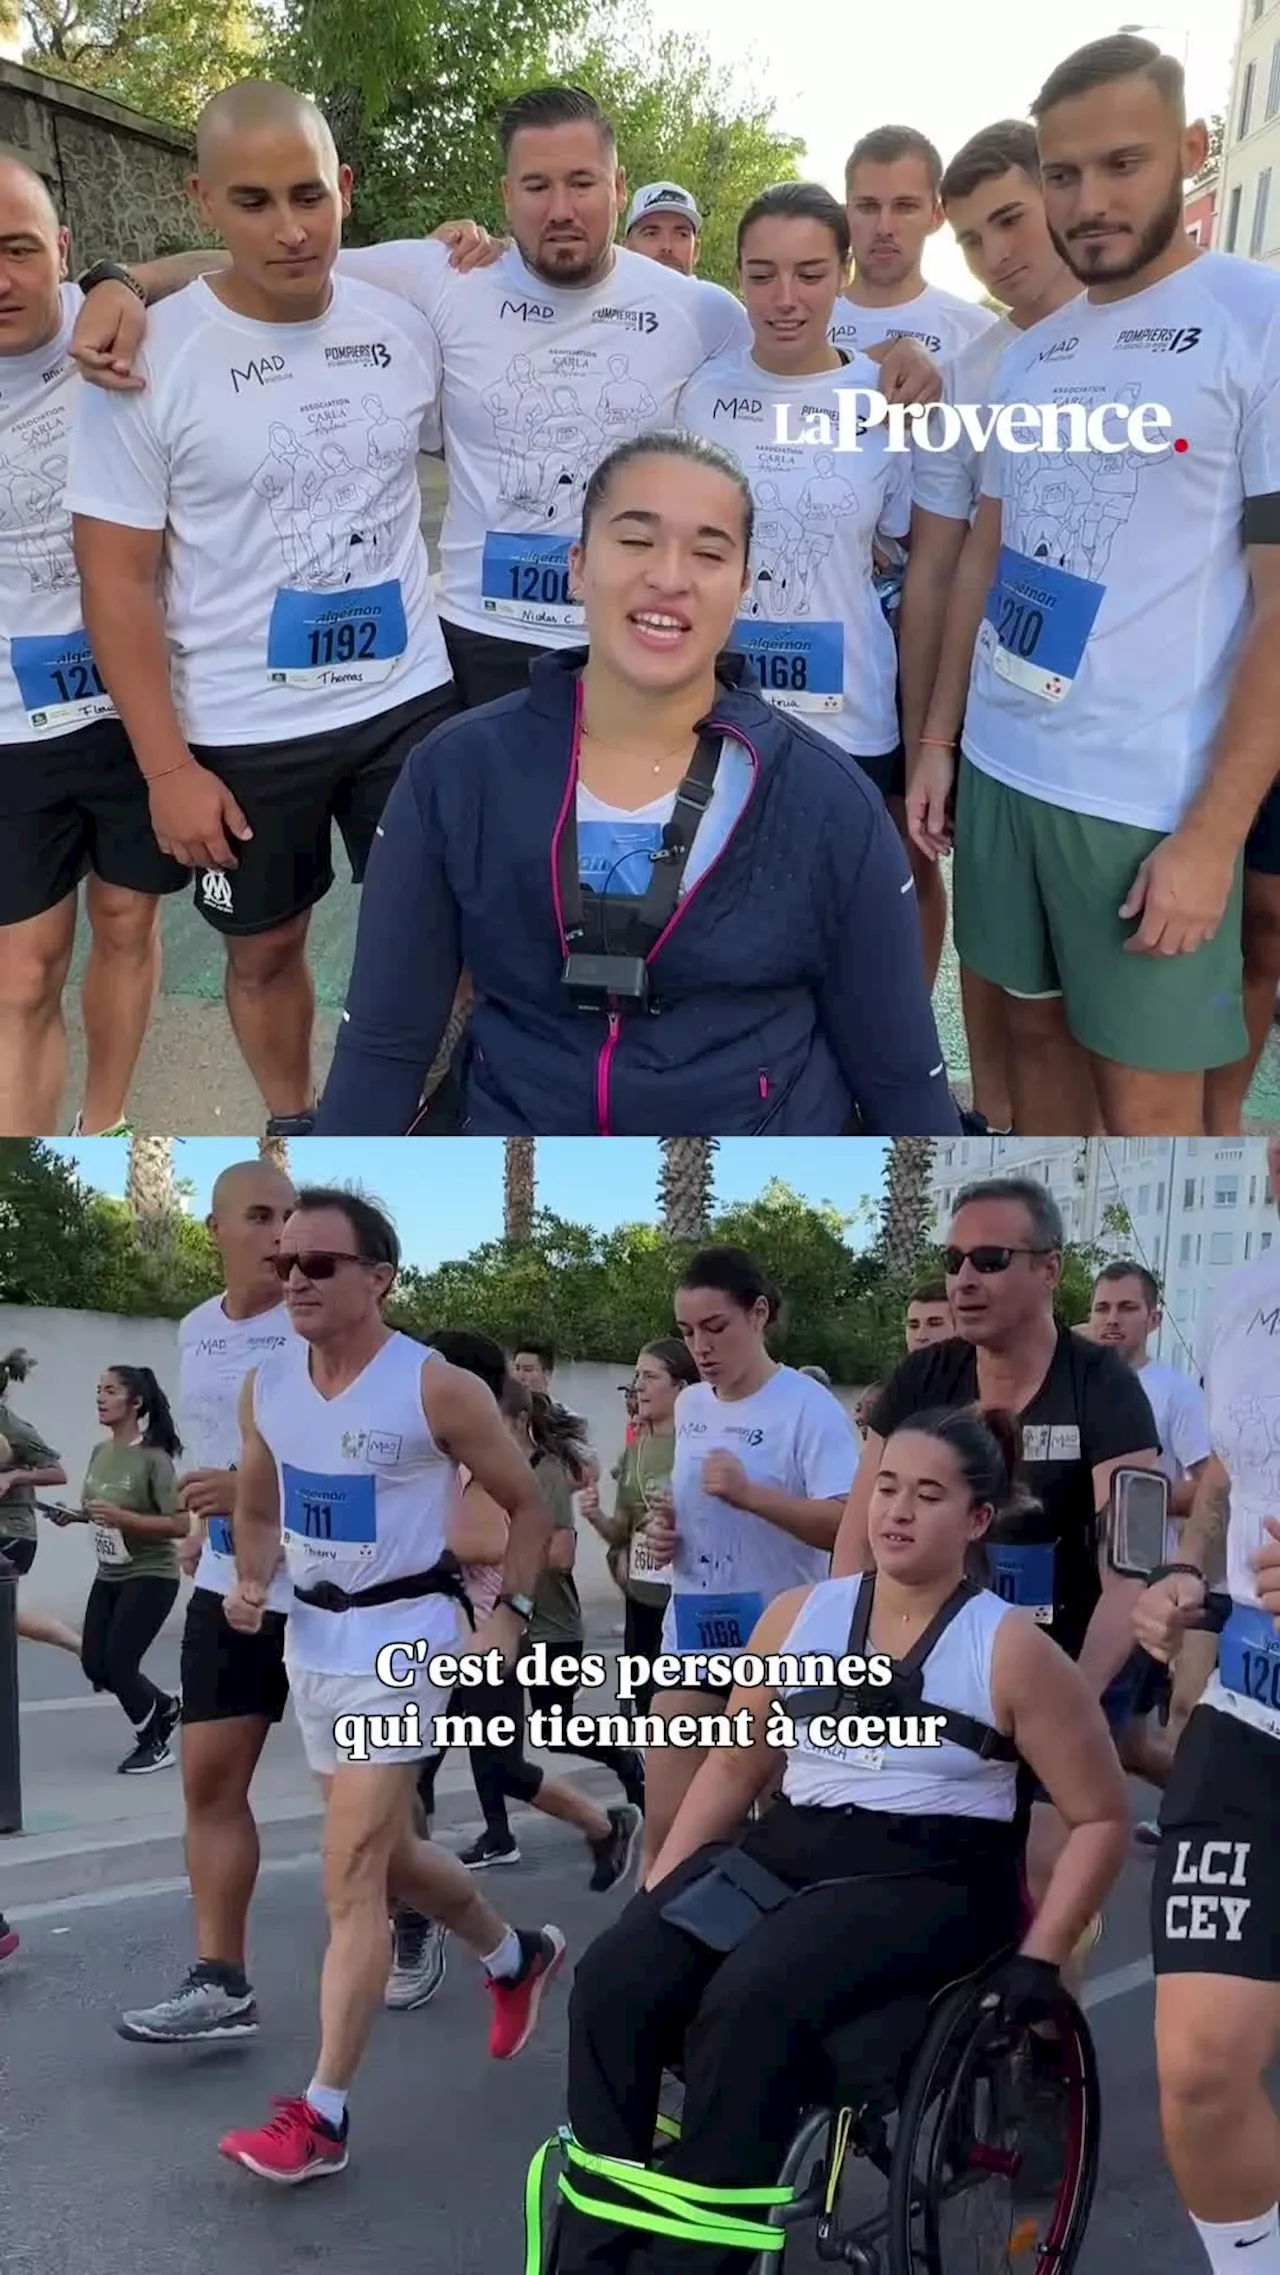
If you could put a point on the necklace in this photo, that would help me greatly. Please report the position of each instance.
(620, 750)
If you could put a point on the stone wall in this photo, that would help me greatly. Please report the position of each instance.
(118, 179)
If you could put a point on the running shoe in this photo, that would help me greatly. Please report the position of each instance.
(615, 1854)
(296, 2144)
(8, 1938)
(489, 1849)
(518, 1998)
(151, 1752)
(170, 1715)
(117, 1129)
(1147, 1834)
(417, 1969)
(202, 2007)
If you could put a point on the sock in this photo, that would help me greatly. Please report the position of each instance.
(329, 2102)
(232, 1979)
(506, 1962)
(1224, 2241)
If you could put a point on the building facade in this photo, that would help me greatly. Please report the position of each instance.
(1196, 1208)
(1249, 189)
(1200, 213)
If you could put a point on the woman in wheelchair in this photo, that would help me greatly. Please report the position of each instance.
(882, 1869)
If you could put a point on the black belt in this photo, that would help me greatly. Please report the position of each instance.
(444, 1579)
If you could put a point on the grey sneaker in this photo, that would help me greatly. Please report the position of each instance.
(615, 1854)
(417, 1969)
(202, 2008)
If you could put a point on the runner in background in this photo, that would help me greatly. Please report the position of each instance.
(28, 1464)
(234, 1686)
(929, 1316)
(131, 1500)
(664, 223)
(663, 1369)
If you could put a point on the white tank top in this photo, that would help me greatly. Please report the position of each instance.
(908, 1781)
(1242, 1385)
(214, 1356)
(366, 1496)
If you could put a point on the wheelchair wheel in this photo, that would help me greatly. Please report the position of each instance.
(995, 2158)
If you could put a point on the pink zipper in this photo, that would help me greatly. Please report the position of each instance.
(604, 1070)
(764, 1084)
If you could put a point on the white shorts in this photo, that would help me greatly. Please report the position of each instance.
(320, 1700)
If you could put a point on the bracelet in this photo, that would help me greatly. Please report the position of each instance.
(166, 771)
(936, 742)
(1166, 1572)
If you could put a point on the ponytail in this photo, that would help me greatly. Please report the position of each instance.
(159, 1432)
(15, 1366)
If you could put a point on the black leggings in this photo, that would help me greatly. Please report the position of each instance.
(642, 1636)
(502, 1773)
(750, 2025)
(121, 1622)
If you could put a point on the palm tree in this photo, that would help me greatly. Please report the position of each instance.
(686, 1186)
(904, 1220)
(276, 1151)
(150, 1189)
(519, 1186)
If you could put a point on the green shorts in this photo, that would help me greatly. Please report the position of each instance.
(1037, 893)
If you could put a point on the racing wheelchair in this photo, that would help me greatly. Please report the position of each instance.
(940, 2141)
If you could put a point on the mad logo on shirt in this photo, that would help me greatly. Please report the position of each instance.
(1042, 1443)
(381, 1446)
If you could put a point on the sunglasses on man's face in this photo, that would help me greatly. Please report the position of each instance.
(314, 1263)
(987, 1260)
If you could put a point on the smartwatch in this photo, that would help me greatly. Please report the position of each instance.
(111, 272)
(522, 1606)
(1166, 1572)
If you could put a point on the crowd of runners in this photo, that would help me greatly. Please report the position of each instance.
(652, 772)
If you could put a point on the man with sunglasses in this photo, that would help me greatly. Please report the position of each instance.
(352, 1438)
(1082, 1413)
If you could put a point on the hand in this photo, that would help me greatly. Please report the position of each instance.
(931, 777)
(208, 1492)
(109, 333)
(8, 1477)
(1164, 1612)
(1266, 1565)
(106, 1513)
(590, 1500)
(190, 1551)
(1025, 1990)
(660, 1532)
(244, 1606)
(195, 818)
(1180, 892)
(470, 245)
(724, 1475)
(908, 373)
(504, 1632)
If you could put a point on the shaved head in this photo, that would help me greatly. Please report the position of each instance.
(259, 106)
(24, 191)
(33, 259)
(248, 1181)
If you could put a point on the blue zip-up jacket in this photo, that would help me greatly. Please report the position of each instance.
(790, 980)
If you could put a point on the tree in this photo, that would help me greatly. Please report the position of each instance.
(685, 1186)
(150, 1189)
(905, 1221)
(1213, 163)
(519, 1188)
(61, 1244)
(276, 1151)
(165, 57)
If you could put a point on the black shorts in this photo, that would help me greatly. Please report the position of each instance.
(292, 794)
(70, 806)
(889, 772)
(225, 1674)
(1262, 847)
(485, 668)
(1215, 1894)
(20, 1554)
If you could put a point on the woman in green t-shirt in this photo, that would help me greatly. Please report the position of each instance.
(130, 1498)
(663, 1370)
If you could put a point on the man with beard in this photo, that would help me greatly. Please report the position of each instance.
(1119, 738)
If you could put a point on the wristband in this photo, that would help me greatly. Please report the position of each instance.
(111, 272)
(1166, 1572)
(936, 742)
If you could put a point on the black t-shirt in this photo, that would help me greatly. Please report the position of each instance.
(1090, 1408)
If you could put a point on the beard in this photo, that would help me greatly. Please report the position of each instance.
(1081, 254)
(565, 264)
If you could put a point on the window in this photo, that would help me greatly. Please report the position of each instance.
(1198, 1247)
(1184, 1249)
(1193, 232)
(1189, 1193)
(1273, 83)
(1220, 1247)
(1246, 103)
(1160, 1200)
(1226, 1192)
(1233, 218)
(1253, 1190)
(1248, 1246)
(1264, 1243)
(1182, 1304)
(1144, 1200)
(1258, 233)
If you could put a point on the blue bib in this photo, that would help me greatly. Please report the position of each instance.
(1024, 1576)
(801, 666)
(1249, 1658)
(617, 857)
(336, 639)
(58, 680)
(525, 579)
(220, 1537)
(716, 1623)
(1038, 622)
(341, 1510)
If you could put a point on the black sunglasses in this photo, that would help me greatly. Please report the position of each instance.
(314, 1263)
(986, 1260)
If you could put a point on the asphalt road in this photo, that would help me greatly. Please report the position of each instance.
(108, 2152)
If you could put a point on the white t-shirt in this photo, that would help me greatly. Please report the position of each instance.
(214, 1356)
(616, 847)
(539, 384)
(282, 459)
(812, 621)
(949, 482)
(792, 1436)
(1102, 671)
(48, 685)
(941, 321)
(1242, 1382)
(1182, 1418)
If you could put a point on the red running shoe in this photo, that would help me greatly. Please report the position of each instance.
(9, 1938)
(296, 2144)
(517, 1999)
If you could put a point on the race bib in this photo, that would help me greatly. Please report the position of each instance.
(716, 1623)
(867, 1758)
(525, 580)
(800, 666)
(618, 857)
(644, 1564)
(108, 1545)
(1024, 1576)
(1249, 1662)
(59, 681)
(336, 639)
(1037, 624)
(220, 1536)
(329, 1520)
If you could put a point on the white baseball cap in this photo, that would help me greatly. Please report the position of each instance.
(662, 197)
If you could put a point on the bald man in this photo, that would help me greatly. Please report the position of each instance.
(234, 1687)
(72, 804)
(268, 466)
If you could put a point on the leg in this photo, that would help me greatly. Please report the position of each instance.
(502, 1771)
(35, 958)
(218, 1763)
(271, 1003)
(119, 989)
(99, 1612)
(986, 1025)
(642, 1639)
(1007, 959)
(1137, 1102)
(624, 1764)
(1228, 1086)
(1050, 1079)
(669, 1771)
(1216, 2039)
(143, 1605)
(37, 1627)
(366, 1819)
